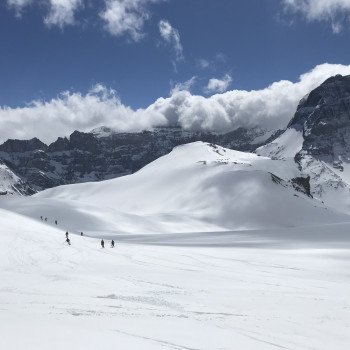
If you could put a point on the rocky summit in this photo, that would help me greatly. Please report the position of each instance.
(318, 138)
(324, 117)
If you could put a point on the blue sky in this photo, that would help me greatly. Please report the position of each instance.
(130, 53)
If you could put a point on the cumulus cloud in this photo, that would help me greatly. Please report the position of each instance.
(126, 17)
(270, 108)
(218, 85)
(62, 12)
(335, 11)
(172, 37)
(120, 17)
(184, 86)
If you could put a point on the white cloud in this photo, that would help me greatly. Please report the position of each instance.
(123, 17)
(335, 11)
(272, 107)
(172, 37)
(18, 5)
(120, 17)
(62, 12)
(72, 111)
(218, 85)
(184, 86)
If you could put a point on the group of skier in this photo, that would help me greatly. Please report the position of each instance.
(41, 217)
(103, 243)
(81, 234)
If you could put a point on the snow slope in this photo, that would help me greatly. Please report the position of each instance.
(268, 289)
(197, 187)
(329, 183)
(285, 146)
(9, 182)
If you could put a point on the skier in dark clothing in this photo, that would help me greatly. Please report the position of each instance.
(112, 244)
(67, 234)
(81, 233)
(41, 217)
(56, 222)
(102, 243)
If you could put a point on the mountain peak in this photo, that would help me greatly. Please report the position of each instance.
(23, 145)
(327, 97)
(318, 138)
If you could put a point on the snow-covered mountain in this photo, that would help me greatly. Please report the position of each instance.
(105, 154)
(197, 187)
(316, 143)
(318, 139)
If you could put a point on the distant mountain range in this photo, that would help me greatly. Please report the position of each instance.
(102, 154)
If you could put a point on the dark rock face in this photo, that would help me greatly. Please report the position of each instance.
(323, 156)
(324, 116)
(23, 145)
(103, 154)
(302, 184)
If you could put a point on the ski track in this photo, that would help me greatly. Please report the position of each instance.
(183, 298)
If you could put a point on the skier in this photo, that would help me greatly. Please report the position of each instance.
(41, 217)
(45, 219)
(56, 222)
(112, 244)
(102, 244)
(81, 233)
(68, 240)
(67, 234)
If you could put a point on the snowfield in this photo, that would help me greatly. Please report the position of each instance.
(212, 253)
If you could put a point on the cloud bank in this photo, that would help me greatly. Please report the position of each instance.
(336, 12)
(271, 108)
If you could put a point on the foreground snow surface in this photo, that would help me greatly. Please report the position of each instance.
(269, 289)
